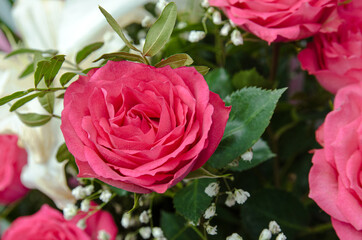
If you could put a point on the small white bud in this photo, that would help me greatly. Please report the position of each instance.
(131, 236)
(205, 3)
(157, 232)
(126, 220)
(105, 196)
(281, 236)
(210, 211)
(274, 227)
(210, 10)
(212, 189)
(81, 224)
(79, 192)
(236, 38)
(70, 211)
(89, 190)
(145, 232)
(216, 18)
(232, 23)
(225, 29)
(181, 25)
(234, 163)
(234, 236)
(103, 235)
(230, 200)
(247, 156)
(211, 230)
(147, 21)
(144, 218)
(85, 205)
(265, 234)
(241, 196)
(195, 36)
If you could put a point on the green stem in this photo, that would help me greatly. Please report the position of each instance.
(180, 232)
(317, 229)
(198, 232)
(274, 64)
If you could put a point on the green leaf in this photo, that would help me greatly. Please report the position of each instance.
(247, 78)
(28, 50)
(161, 30)
(41, 68)
(175, 61)
(252, 109)
(87, 50)
(34, 119)
(28, 70)
(192, 201)
(24, 100)
(261, 153)
(175, 227)
(63, 153)
(219, 82)
(120, 56)
(203, 70)
(269, 204)
(120, 192)
(13, 96)
(61, 96)
(53, 68)
(66, 77)
(47, 102)
(117, 28)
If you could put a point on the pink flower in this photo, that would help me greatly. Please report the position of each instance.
(142, 128)
(336, 58)
(4, 43)
(49, 223)
(13, 158)
(335, 178)
(281, 20)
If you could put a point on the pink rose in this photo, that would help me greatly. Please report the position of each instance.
(13, 158)
(49, 223)
(280, 20)
(142, 128)
(336, 58)
(335, 178)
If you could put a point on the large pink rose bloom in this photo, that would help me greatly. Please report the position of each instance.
(49, 223)
(13, 158)
(142, 128)
(336, 58)
(336, 176)
(281, 20)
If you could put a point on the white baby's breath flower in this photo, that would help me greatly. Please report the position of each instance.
(230, 199)
(265, 235)
(234, 236)
(157, 232)
(212, 189)
(85, 205)
(281, 236)
(89, 190)
(105, 196)
(216, 18)
(147, 21)
(205, 3)
(103, 235)
(195, 36)
(236, 38)
(241, 196)
(126, 220)
(247, 156)
(145, 232)
(274, 227)
(144, 218)
(79, 192)
(70, 211)
(160, 5)
(225, 29)
(81, 224)
(210, 211)
(211, 230)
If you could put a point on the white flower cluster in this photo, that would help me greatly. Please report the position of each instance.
(105, 196)
(195, 36)
(234, 236)
(212, 189)
(238, 196)
(81, 192)
(103, 235)
(210, 211)
(274, 228)
(70, 211)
